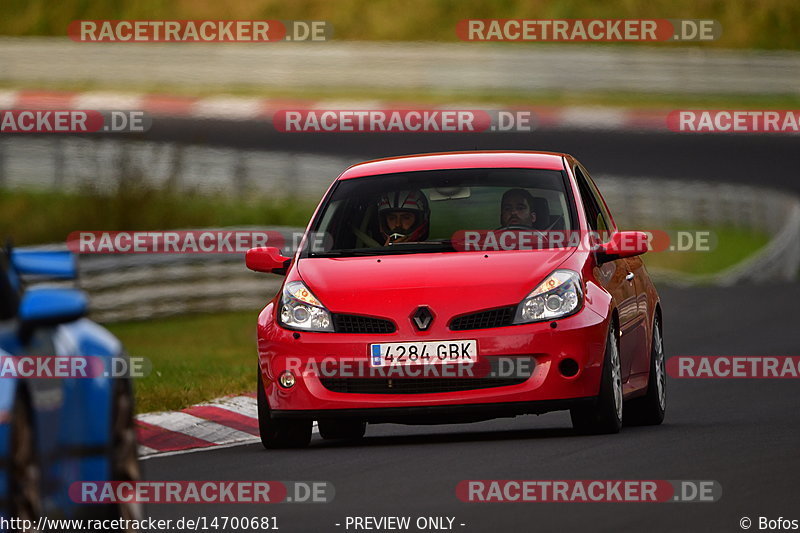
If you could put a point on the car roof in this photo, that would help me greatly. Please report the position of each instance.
(455, 160)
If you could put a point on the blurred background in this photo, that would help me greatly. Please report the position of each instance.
(213, 159)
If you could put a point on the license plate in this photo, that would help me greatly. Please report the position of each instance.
(423, 353)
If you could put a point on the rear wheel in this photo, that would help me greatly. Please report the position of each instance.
(605, 415)
(26, 472)
(280, 433)
(649, 409)
(342, 429)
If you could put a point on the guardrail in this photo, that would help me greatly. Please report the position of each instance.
(78, 164)
(450, 67)
(137, 286)
(653, 204)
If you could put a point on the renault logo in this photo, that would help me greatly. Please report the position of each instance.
(422, 318)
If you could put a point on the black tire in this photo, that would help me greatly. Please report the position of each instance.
(649, 409)
(280, 433)
(342, 429)
(25, 481)
(604, 416)
(124, 460)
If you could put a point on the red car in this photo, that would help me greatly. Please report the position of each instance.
(459, 287)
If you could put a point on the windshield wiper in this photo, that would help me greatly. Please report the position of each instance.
(395, 248)
(421, 243)
(348, 252)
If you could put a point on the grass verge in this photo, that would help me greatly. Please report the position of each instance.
(194, 358)
(507, 97)
(731, 246)
(36, 217)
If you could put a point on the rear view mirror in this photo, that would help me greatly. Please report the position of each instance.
(268, 259)
(449, 193)
(623, 244)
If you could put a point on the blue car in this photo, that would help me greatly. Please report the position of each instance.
(56, 431)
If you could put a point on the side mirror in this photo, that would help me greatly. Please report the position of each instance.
(267, 259)
(50, 306)
(623, 244)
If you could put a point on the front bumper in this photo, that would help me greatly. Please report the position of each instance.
(580, 337)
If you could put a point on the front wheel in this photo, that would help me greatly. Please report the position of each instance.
(649, 409)
(25, 469)
(279, 433)
(605, 415)
(125, 455)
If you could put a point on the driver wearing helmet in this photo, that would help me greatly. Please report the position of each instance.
(404, 216)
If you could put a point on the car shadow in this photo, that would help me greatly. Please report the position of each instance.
(448, 438)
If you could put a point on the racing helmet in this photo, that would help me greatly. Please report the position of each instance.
(413, 201)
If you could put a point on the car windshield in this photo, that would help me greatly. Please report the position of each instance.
(444, 211)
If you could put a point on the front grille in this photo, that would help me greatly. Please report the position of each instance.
(491, 318)
(414, 385)
(361, 324)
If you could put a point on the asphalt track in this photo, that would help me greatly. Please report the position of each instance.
(742, 433)
(762, 160)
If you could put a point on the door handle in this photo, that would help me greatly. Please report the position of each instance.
(629, 277)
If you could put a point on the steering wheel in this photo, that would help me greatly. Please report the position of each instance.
(515, 226)
(539, 234)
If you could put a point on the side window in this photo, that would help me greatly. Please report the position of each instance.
(599, 199)
(594, 213)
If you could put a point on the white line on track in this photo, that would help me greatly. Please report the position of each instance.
(145, 450)
(251, 440)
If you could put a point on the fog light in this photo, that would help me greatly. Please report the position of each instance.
(286, 380)
(568, 367)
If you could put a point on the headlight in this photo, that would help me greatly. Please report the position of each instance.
(300, 309)
(557, 296)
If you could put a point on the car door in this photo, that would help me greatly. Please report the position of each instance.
(615, 276)
(637, 336)
(640, 365)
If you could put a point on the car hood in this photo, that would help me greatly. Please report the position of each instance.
(451, 283)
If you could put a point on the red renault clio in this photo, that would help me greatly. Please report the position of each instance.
(459, 287)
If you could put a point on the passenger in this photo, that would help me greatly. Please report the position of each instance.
(516, 209)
